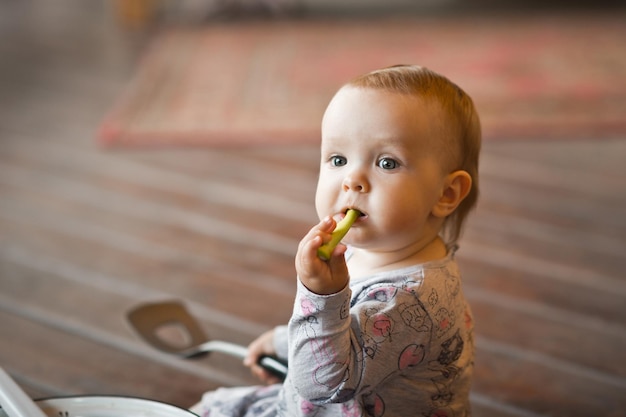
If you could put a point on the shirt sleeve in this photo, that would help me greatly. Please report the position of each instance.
(338, 351)
(281, 342)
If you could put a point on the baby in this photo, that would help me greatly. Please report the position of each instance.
(382, 328)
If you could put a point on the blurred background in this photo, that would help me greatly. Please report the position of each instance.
(98, 216)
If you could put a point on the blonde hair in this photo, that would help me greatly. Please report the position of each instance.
(461, 138)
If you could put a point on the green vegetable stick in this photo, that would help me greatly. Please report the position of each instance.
(340, 231)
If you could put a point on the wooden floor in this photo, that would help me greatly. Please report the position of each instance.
(87, 233)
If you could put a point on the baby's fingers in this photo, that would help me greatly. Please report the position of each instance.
(341, 229)
(306, 258)
(318, 235)
(264, 375)
(325, 226)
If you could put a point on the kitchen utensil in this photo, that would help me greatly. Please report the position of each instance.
(105, 406)
(14, 401)
(150, 319)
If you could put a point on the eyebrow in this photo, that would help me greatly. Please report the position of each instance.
(395, 143)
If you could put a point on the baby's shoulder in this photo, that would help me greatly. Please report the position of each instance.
(422, 282)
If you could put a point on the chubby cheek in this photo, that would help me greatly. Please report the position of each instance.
(325, 197)
(321, 207)
(401, 219)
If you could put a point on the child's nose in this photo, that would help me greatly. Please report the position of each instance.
(355, 182)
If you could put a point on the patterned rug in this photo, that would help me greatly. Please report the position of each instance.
(252, 83)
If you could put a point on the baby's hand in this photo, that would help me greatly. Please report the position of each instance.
(319, 276)
(261, 346)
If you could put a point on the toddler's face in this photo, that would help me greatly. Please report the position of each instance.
(377, 156)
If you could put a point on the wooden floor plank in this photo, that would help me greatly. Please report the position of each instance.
(531, 385)
(224, 187)
(213, 288)
(544, 330)
(544, 239)
(70, 363)
(149, 238)
(540, 285)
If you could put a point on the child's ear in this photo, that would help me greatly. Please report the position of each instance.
(456, 187)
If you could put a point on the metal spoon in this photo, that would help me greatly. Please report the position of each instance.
(147, 319)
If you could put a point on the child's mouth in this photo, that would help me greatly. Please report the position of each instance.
(361, 214)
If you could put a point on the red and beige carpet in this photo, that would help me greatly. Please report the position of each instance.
(249, 83)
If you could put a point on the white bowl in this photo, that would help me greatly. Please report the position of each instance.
(107, 406)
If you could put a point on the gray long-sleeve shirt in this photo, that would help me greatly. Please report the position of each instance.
(397, 343)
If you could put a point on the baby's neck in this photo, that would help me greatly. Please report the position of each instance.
(363, 262)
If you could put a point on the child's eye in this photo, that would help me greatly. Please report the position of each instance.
(338, 161)
(387, 163)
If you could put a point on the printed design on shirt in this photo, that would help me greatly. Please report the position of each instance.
(374, 405)
(385, 292)
(416, 317)
(452, 284)
(323, 352)
(351, 409)
(445, 321)
(309, 409)
(241, 401)
(381, 322)
(378, 327)
(441, 412)
(451, 350)
(344, 311)
(382, 294)
(308, 307)
(390, 313)
(322, 376)
(412, 355)
(433, 298)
